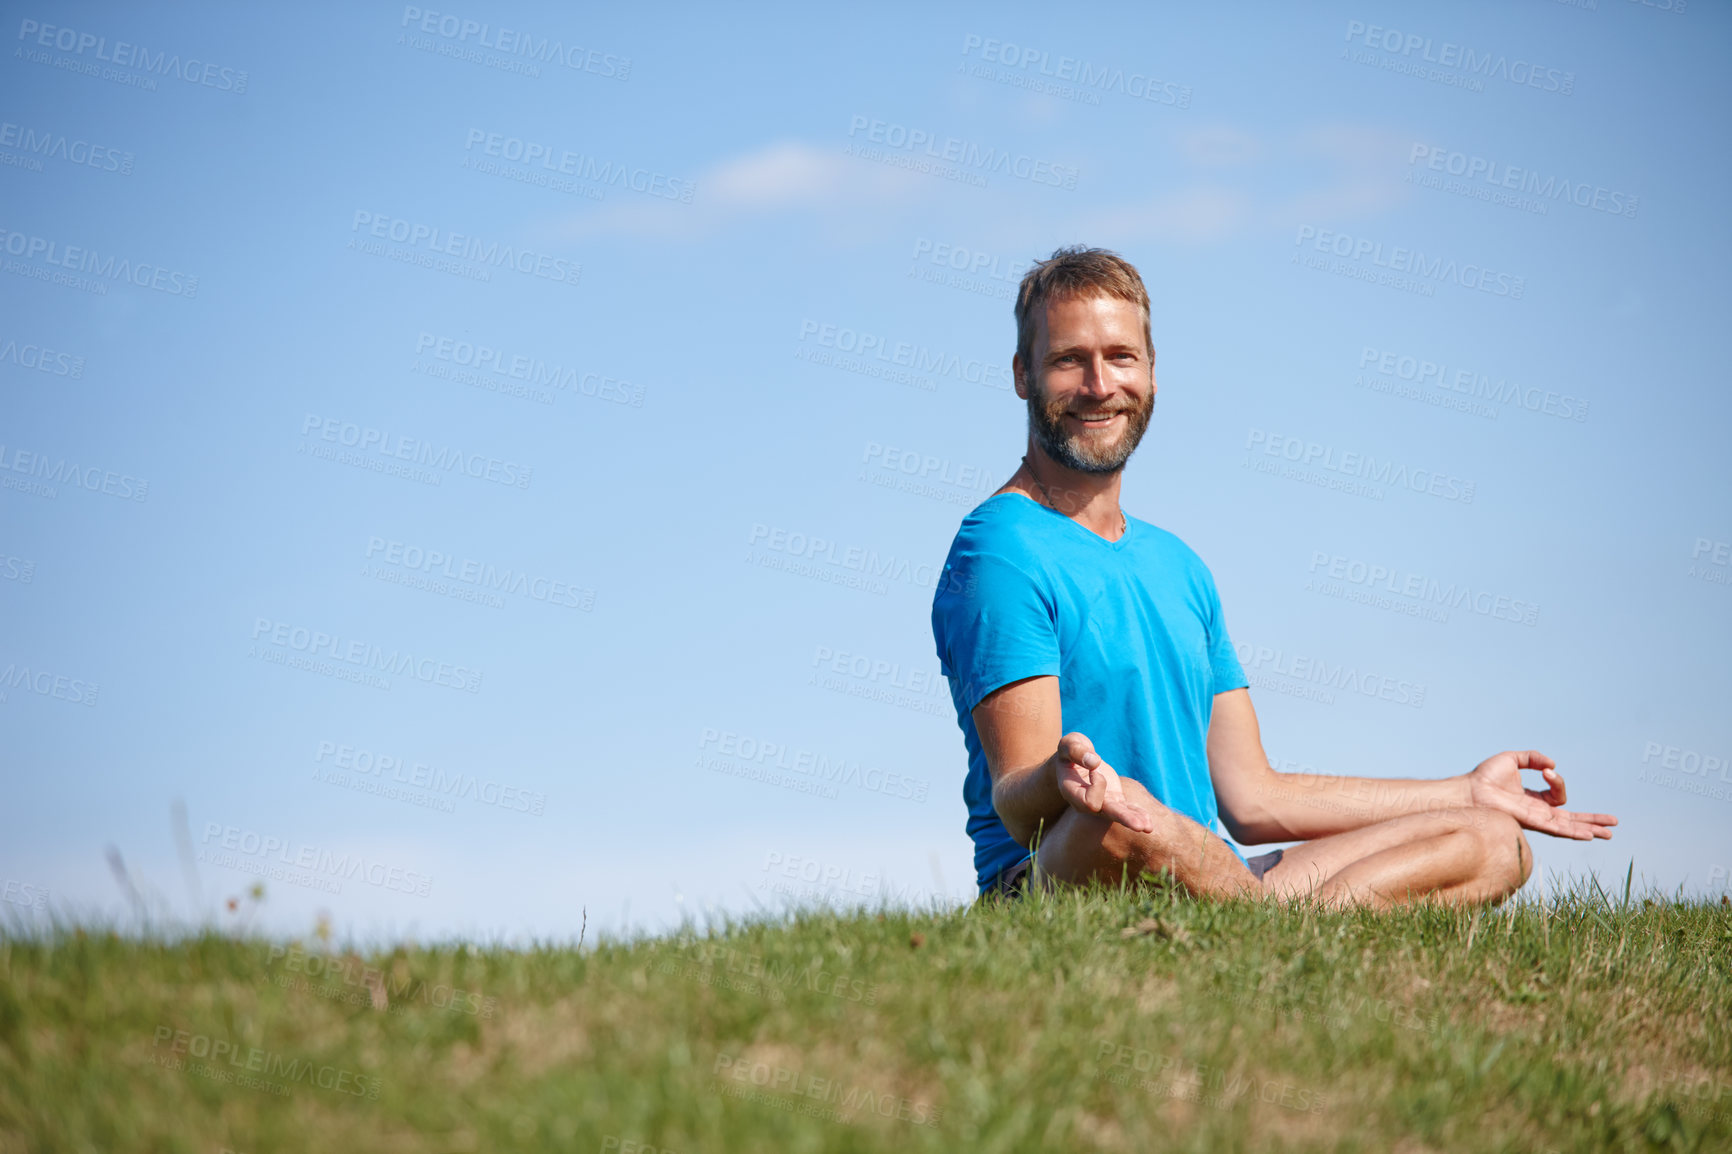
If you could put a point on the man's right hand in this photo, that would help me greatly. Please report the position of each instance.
(1092, 786)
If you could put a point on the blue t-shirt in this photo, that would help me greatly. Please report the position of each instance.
(1132, 629)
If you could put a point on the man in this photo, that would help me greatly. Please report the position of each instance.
(1106, 717)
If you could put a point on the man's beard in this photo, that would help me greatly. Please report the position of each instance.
(1045, 421)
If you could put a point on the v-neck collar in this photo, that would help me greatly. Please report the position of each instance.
(1116, 546)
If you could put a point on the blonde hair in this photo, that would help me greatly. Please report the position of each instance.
(1076, 271)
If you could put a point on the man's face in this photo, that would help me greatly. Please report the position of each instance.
(1091, 385)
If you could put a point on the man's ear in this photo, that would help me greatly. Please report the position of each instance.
(1021, 385)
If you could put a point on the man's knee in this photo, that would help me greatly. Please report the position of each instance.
(1081, 845)
(1503, 845)
(1122, 843)
(1122, 846)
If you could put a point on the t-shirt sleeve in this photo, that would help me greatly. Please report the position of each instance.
(994, 625)
(1223, 660)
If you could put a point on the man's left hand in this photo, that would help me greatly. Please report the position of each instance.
(1496, 783)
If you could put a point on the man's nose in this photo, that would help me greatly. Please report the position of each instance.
(1095, 379)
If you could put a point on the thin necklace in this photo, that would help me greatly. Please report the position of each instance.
(1124, 521)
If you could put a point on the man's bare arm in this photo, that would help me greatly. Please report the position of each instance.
(1037, 773)
(1039, 776)
(1259, 805)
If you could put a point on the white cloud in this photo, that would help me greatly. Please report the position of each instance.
(774, 177)
(1233, 182)
(777, 178)
(1229, 182)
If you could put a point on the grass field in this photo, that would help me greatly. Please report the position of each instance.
(1086, 1021)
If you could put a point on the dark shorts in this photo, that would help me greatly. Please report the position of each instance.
(1013, 881)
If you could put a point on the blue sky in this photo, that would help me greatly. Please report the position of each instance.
(572, 407)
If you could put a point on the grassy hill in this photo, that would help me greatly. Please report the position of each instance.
(1082, 1022)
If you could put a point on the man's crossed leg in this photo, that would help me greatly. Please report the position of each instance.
(1467, 855)
(1457, 840)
